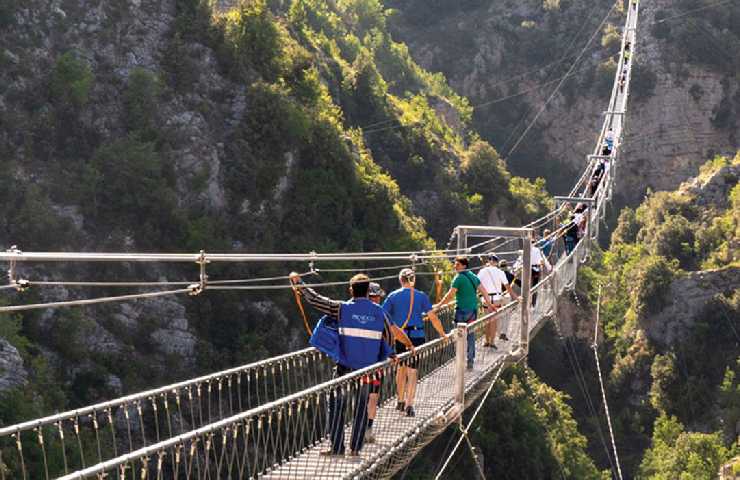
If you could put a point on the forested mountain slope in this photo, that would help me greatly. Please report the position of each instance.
(669, 349)
(508, 56)
(164, 125)
(671, 319)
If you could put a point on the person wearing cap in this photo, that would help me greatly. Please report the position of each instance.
(407, 308)
(364, 335)
(376, 295)
(494, 280)
(465, 288)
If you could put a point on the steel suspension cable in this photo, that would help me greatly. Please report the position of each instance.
(70, 303)
(595, 347)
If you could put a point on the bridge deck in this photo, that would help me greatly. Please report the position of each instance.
(434, 393)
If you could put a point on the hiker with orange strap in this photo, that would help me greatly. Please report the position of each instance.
(407, 308)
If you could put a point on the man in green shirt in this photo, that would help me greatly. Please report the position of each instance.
(465, 287)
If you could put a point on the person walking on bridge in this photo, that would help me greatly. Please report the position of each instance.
(494, 281)
(407, 308)
(465, 288)
(376, 295)
(364, 335)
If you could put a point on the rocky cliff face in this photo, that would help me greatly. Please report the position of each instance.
(12, 372)
(689, 295)
(674, 121)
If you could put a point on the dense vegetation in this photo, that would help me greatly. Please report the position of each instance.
(98, 161)
(677, 381)
(525, 430)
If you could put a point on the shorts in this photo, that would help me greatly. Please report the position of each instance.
(401, 348)
(374, 381)
(497, 299)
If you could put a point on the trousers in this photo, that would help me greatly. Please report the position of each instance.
(337, 408)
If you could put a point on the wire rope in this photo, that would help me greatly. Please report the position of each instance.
(91, 301)
(689, 12)
(595, 347)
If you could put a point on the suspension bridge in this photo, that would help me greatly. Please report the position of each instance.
(269, 419)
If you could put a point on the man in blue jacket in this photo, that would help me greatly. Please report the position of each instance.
(364, 335)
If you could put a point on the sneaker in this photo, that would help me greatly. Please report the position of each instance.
(354, 456)
(410, 411)
(369, 436)
(493, 347)
(503, 337)
(401, 406)
(330, 453)
(470, 365)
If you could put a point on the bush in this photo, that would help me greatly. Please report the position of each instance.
(652, 282)
(71, 80)
(674, 238)
(605, 73)
(181, 70)
(611, 40)
(643, 82)
(126, 184)
(676, 454)
(256, 39)
(7, 12)
(140, 100)
(627, 227)
(484, 172)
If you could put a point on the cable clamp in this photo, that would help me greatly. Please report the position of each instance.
(12, 265)
(312, 263)
(22, 285)
(198, 288)
(414, 258)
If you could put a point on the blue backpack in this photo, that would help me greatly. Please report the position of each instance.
(325, 337)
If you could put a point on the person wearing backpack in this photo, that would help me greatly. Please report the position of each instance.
(406, 308)
(465, 289)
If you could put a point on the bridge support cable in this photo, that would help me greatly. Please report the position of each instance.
(595, 347)
(465, 429)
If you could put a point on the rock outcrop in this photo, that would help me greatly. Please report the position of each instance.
(689, 294)
(12, 372)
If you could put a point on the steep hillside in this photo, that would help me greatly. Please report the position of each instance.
(671, 318)
(162, 125)
(507, 57)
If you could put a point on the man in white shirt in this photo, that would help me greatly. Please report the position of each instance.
(494, 280)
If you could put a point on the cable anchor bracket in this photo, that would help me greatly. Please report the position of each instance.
(198, 288)
(19, 284)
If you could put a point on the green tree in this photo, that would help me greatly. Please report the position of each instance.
(71, 80)
(484, 172)
(140, 99)
(128, 185)
(675, 454)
